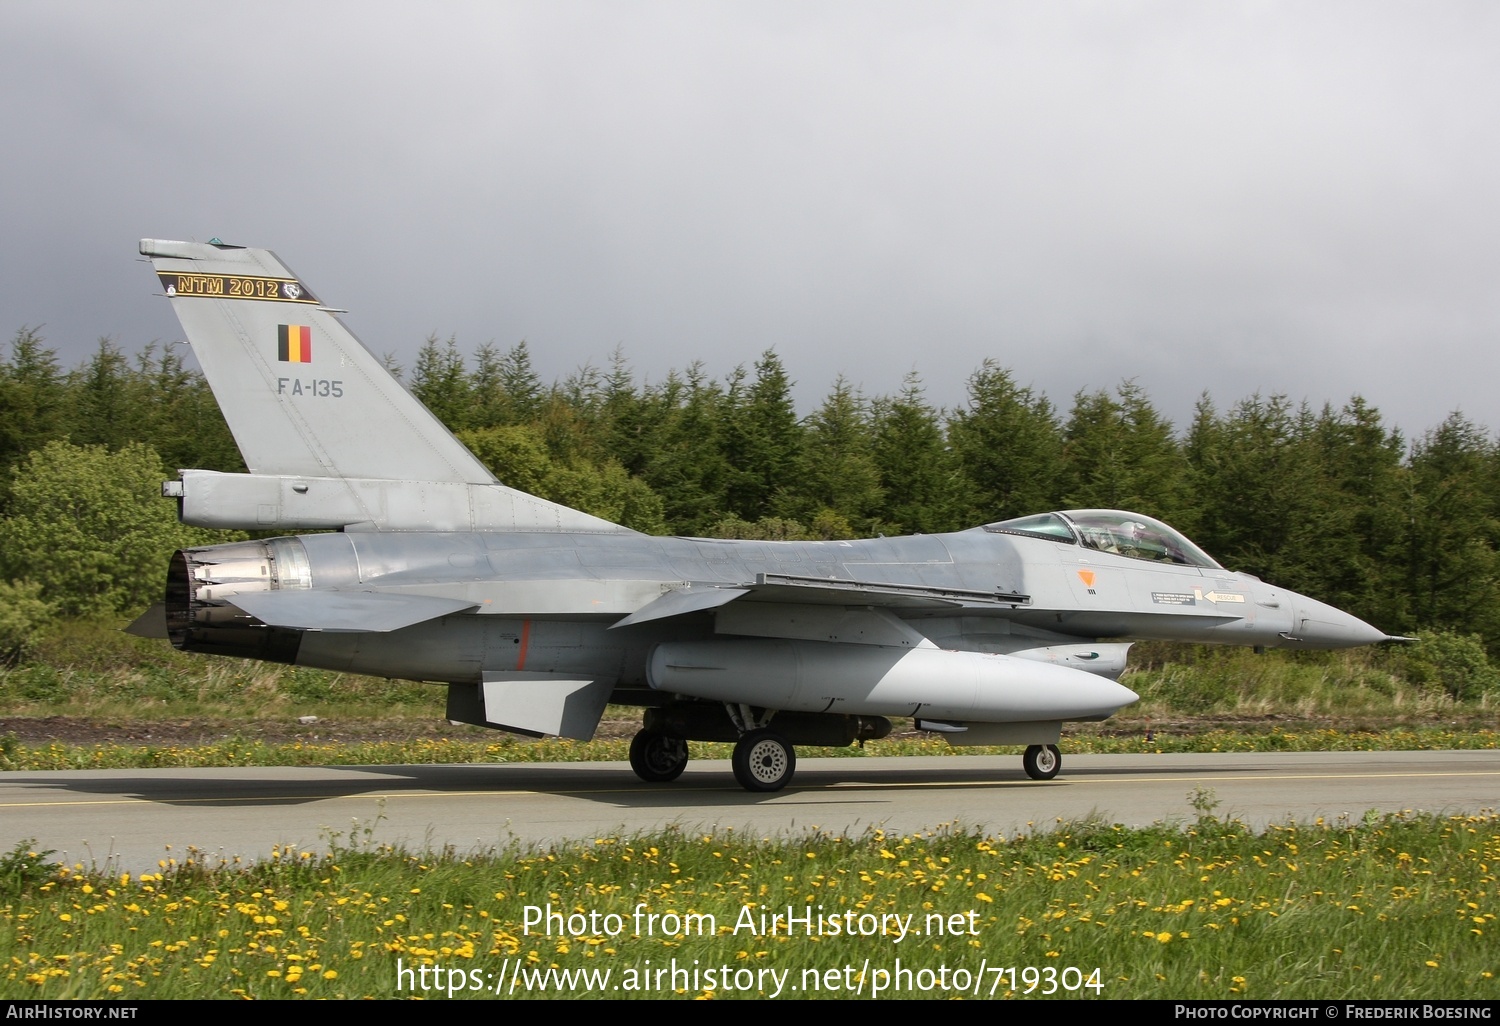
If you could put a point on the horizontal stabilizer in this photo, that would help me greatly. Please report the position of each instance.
(150, 624)
(346, 611)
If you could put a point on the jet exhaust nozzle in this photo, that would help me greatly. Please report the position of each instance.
(201, 585)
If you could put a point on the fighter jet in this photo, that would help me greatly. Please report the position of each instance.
(535, 616)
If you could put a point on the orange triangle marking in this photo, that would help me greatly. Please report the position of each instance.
(1087, 577)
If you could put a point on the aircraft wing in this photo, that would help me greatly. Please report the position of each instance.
(789, 589)
(834, 592)
(771, 591)
(346, 611)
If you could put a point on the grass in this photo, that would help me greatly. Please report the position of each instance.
(199, 687)
(1385, 907)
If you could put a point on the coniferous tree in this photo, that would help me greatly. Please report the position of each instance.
(103, 407)
(1265, 497)
(1361, 462)
(685, 460)
(522, 390)
(177, 415)
(1119, 453)
(31, 398)
(918, 472)
(762, 439)
(1453, 573)
(505, 388)
(838, 478)
(442, 383)
(488, 408)
(1009, 447)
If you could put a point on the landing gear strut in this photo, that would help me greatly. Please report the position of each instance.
(1042, 762)
(763, 761)
(657, 758)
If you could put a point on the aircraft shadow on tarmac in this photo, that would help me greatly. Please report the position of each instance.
(706, 784)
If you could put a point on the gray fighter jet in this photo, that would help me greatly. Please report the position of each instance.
(535, 615)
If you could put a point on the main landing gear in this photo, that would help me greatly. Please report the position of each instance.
(1042, 762)
(763, 760)
(657, 758)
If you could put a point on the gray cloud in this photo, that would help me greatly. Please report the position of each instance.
(1231, 197)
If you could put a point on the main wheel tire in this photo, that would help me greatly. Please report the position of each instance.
(1042, 762)
(657, 758)
(763, 761)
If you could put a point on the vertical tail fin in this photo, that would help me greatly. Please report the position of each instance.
(301, 394)
(331, 438)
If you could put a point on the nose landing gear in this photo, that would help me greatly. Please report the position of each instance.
(1042, 762)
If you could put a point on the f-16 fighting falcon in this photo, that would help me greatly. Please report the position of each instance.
(535, 616)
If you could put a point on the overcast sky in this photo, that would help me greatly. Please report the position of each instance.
(1232, 197)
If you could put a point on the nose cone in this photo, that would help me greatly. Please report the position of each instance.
(1318, 625)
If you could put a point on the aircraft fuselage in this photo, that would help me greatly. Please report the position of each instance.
(545, 601)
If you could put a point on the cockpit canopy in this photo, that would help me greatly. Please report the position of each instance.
(1111, 530)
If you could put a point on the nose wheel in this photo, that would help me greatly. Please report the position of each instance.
(763, 761)
(657, 758)
(1042, 762)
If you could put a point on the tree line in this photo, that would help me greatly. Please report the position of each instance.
(1330, 501)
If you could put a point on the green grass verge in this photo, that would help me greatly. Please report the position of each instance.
(1382, 908)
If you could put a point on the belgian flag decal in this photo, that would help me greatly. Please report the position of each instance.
(294, 343)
